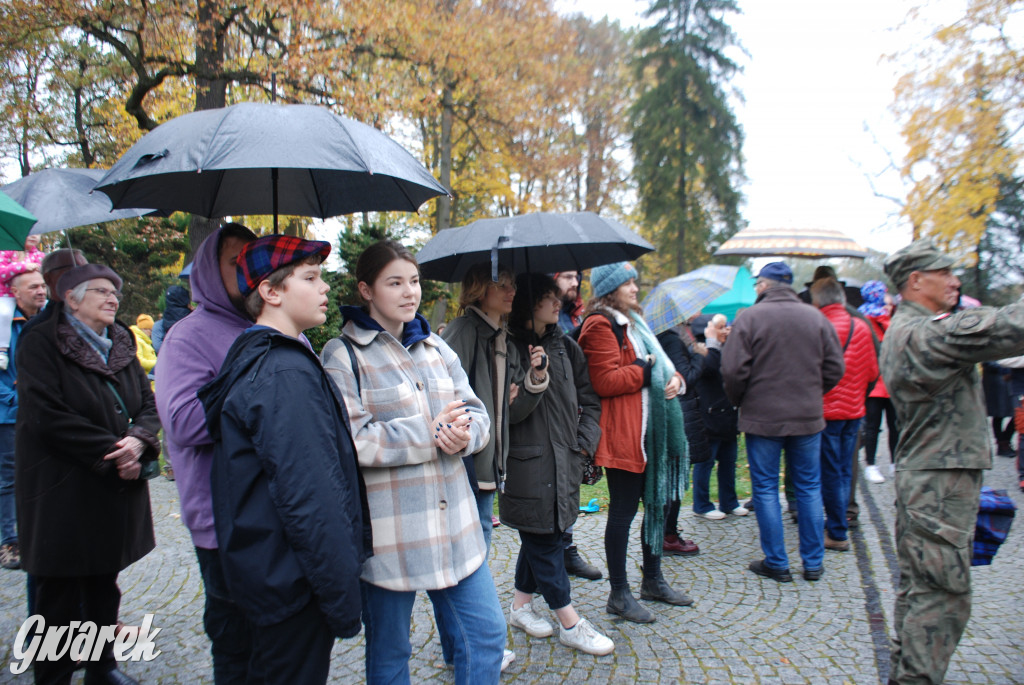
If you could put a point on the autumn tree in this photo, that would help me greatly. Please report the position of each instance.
(686, 140)
(961, 109)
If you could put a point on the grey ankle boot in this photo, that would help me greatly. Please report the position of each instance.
(657, 589)
(622, 603)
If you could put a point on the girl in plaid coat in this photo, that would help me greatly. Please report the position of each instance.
(414, 417)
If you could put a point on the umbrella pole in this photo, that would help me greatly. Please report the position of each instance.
(273, 179)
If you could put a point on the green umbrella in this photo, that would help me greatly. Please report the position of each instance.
(15, 223)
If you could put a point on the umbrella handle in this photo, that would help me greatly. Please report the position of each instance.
(494, 256)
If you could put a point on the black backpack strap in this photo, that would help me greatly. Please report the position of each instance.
(849, 336)
(355, 363)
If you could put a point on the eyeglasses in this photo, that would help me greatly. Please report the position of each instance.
(105, 293)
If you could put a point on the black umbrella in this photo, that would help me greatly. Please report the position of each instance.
(63, 198)
(541, 243)
(263, 158)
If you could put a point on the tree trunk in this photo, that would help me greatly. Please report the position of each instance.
(595, 164)
(211, 93)
(444, 203)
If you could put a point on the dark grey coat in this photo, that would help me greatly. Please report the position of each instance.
(76, 516)
(545, 459)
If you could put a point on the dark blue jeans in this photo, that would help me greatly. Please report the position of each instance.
(724, 453)
(228, 628)
(803, 456)
(8, 512)
(838, 442)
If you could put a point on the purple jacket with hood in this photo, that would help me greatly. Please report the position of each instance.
(190, 357)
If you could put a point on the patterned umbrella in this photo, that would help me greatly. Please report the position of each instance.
(678, 299)
(792, 242)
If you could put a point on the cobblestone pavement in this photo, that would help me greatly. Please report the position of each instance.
(741, 629)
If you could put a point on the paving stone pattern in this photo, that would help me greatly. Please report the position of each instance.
(741, 628)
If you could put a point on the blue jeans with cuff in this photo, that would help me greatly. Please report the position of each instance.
(473, 624)
(803, 455)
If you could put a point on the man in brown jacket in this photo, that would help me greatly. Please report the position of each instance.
(781, 358)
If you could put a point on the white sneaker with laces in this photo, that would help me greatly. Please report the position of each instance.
(507, 658)
(584, 637)
(526, 619)
(873, 474)
(714, 515)
(740, 511)
(4, 360)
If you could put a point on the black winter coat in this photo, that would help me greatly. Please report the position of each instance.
(76, 516)
(545, 459)
(691, 365)
(288, 502)
(720, 417)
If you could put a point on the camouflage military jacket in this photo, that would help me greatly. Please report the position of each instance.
(929, 366)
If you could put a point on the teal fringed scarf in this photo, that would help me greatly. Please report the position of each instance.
(664, 440)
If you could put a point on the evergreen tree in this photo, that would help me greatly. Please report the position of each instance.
(686, 141)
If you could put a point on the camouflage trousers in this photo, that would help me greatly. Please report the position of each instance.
(936, 512)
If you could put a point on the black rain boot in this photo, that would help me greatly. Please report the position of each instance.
(622, 603)
(575, 565)
(657, 589)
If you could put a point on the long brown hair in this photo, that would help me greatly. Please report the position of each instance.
(608, 302)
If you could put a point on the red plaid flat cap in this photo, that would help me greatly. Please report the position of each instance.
(262, 257)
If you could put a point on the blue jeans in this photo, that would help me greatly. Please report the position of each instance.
(474, 624)
(838, 442)
(485, 506)
(723, 452)
(803, 455)
(8, 510)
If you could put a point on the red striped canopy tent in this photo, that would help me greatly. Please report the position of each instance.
(792, 242)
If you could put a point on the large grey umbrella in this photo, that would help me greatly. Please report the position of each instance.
(264, 158)
(541, 243)
(63, 198)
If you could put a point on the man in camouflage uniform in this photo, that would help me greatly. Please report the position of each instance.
(928, 360)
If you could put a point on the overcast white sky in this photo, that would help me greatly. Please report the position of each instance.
(816, 113)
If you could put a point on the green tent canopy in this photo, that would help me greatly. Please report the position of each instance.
(741, 296)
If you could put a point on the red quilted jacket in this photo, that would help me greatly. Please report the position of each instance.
(846, 400)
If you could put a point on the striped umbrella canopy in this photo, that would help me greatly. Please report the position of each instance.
(792, 242)
(678, 299)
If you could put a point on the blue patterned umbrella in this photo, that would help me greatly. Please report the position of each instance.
(674, 301)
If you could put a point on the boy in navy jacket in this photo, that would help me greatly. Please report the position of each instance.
(288, 502)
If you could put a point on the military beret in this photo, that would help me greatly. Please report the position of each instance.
(920, 255)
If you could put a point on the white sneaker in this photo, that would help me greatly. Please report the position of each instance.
(584, 637)
(715, 515)
(740, 511)
(525, 618)
(4, 360)
(507, 658)
(873, 474)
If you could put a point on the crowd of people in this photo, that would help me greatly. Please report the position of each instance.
(324, 491)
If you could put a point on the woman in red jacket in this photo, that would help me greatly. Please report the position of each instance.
(642, 445)
(877, 310)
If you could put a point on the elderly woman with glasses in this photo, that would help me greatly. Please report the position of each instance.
(86, 426)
